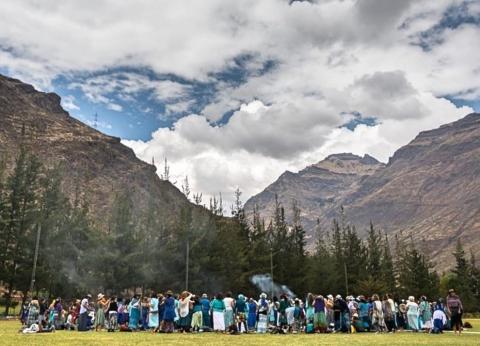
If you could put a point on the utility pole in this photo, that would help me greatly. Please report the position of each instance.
(271, 271)
(95, 123)
(187, 263)
(35, 258)
(346, 277)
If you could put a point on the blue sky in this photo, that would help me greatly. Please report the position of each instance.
(136, 114)
(235, 93)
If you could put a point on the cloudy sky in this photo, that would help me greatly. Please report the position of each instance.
(233, 93)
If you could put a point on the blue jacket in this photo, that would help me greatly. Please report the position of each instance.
(169, 313)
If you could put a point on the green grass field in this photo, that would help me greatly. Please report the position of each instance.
(9, 336)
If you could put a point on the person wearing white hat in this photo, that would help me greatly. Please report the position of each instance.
(102, 305)
(330, 315)
(84, 309)
(412, 314)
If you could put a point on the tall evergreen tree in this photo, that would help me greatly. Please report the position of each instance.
(298, 262)
(321, 275)
(387, 267)
(375, 249)
(462, 280)
(19, 214)
(119, 264)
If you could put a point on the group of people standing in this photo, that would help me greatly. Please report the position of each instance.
(188, 312)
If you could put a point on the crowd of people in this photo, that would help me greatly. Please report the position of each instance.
(187, 312)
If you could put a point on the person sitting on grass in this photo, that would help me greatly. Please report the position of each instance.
(439, 319)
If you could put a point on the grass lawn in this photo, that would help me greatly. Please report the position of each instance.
(9, 336)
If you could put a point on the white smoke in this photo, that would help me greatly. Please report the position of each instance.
(265, 284)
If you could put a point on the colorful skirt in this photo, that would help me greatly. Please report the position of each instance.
(319, 320)
(100, 318)
(262, 323)
(197, 320)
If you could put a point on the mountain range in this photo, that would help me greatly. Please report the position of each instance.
(429, 191)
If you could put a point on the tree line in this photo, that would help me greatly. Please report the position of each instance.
(201, 250)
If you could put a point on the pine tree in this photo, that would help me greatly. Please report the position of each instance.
(338, 258)
(259, 245)
(19, 214)
(354, 258)
(281, 244)
(298, 259)
(375, 248)
(387, 267)
(463, 278)
(414, 272)
(119, 263)
(54, 211)
(321, 275)
(475, 281)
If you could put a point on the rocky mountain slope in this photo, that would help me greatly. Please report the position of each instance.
(429, 190)
(318, 188)
(99, 164)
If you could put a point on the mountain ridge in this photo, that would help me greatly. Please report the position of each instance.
(429, 190)
(98, 164)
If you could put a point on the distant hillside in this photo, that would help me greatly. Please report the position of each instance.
(98, 164)
(317, 188)
(429, 190)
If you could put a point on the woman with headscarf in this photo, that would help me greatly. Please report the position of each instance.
(455, 310)
(425, 314)
(412, 314)
(378, 321)
(439, 319)
(197, 322)
(206, 320)
(329, 311)
(241, 309)
(153, 312)
(262, 324)
(342, 314)
(218, 312)
(134, 313)
(252, 314)
(32, 313)
(364, 313)
(169, 312)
